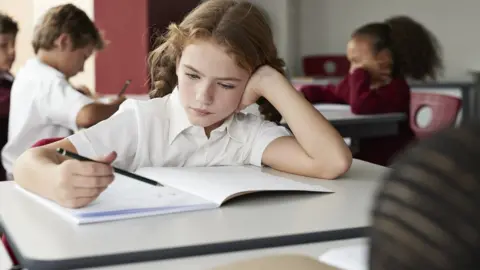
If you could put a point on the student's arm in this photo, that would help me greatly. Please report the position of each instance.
(86, 91)
(95, 112)
(326, 93)
(317, 150)
(63, 105)
(72, 183)
(364, 100)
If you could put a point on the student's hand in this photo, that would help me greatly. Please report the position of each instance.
(259, 81)
(119, 100)
(81, 182)
(85, 90)
(384, 71)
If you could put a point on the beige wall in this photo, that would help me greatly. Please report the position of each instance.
(283, 17)
(27, 13)
(327, 24)
(22, 12)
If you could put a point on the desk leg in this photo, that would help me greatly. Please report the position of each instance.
(474, 98)
(467, 98)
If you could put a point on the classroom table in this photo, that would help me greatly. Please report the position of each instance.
(313, 250)
(43, 240)
(361, 126)
(355, 126)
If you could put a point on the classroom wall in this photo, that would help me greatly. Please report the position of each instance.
(325, 26)
(283, 19)
(22, 12)
(27, 13)
(126, 29)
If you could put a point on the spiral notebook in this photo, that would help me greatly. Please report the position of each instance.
(186, 189)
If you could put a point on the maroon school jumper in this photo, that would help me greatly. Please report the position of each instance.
(6, 81)
(355, 90)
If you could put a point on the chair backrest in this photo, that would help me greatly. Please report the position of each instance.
(46, 141)
(325, 66)
(431, 112)
(4, 242)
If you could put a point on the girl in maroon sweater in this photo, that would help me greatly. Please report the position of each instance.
(8, 33)
(381, 56)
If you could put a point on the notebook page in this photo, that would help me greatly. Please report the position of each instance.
(218, 184)
(349, 258)
(128, 198)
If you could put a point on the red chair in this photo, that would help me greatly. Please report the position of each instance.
(46, 141)
(442, 111)
(325, 66)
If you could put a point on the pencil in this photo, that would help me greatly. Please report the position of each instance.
(122, 91)
(64, 152)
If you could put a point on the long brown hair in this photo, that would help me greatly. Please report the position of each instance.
(416, 52)
(238, 26)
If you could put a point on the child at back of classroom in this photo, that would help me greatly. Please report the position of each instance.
(218, 60)
(8, 34)
(382, 55)
(43, 104)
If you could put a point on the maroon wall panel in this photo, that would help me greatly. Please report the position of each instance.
(162, 14)
(125, 23)
(129, 25)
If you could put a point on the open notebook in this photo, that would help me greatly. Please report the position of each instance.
(186, 189)
(354, 257)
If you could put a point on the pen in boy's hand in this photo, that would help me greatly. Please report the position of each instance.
(117, 170)
(122, 91)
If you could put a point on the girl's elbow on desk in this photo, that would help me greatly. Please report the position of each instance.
(328, 169)
(289, 156)
(336, 166)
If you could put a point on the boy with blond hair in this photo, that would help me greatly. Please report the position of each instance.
(43, 103)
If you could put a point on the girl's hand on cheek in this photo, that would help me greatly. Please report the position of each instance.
(262, 79)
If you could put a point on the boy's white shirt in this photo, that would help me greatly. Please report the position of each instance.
(42, 105)
(158, 133)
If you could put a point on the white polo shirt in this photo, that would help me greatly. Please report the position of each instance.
(42, 105)
(157, 133)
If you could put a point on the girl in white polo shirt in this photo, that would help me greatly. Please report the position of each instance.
(219, 60)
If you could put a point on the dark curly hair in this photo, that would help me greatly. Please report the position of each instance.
(8, 25)
(416, 52)
(239, 26)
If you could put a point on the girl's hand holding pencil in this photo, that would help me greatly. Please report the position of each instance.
(81, 182)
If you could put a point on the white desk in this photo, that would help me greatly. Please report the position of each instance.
(313, 250)
(5, 261)
(45, 240)
(341, 114)
(361, 126)
(357, 126)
